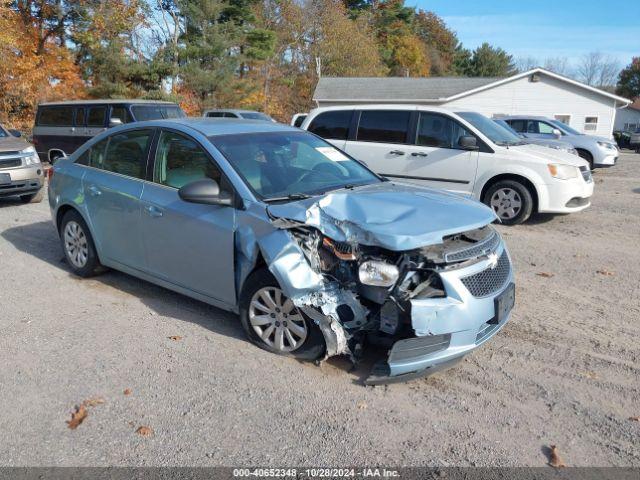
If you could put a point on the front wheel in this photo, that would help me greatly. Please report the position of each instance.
(273, 323)
(510, 200)
(78, 246)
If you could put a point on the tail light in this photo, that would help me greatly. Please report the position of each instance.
(50, 173)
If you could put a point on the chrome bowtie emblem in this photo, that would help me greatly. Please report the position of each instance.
(493, 260)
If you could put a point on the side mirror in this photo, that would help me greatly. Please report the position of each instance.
(468, 142)
(205, 191)
(556, 133)
(15, 133)
(114, 122)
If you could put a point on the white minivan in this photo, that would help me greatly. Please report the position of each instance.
(463, 152)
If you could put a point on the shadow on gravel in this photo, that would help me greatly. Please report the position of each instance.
(10, 202)
(40, 240)
(540, 218)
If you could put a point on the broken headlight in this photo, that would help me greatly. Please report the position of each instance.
(378, 274)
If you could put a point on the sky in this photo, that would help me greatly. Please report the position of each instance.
(543, 28)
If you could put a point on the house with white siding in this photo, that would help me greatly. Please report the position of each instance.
(628, 119)
(535, 92)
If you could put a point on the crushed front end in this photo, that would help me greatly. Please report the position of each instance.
(427, 307)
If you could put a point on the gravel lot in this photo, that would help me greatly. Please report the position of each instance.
(564, 371)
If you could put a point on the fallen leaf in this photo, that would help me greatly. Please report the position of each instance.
(175, 337)
(606, 273)
(361, 405)
(77, 417)
(555, 460)
(544, 274)
(634, 419)
(92, 402)
(127, 391)
(144, 431)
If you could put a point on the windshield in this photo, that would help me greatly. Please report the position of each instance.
(563, 127)
(255, 116)
(278, 165)
(156, 112)
(496, 133)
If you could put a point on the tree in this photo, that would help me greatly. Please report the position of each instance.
(487, 61)
(35, 65)
(629, 80)
(441, 42)
(524, 64)
(559, 65)
(598, 70)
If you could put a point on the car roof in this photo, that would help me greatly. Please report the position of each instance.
(234, 110)
(215, 126)
(105, 102)
(383, 106)
(523, 117)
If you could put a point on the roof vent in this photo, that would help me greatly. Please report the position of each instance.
(534, 78)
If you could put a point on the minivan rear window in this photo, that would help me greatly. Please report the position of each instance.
(96, 116)
(332, 124)
(156, 112)
(383, 126)
(55, 117)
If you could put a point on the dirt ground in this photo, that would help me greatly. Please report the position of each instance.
(564, 371)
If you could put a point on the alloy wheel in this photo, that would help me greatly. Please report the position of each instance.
(76, 244)
(506, 202)
(276, 320)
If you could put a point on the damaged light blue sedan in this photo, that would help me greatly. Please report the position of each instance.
(318, 255)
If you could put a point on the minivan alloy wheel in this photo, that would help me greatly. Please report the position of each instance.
(276, 320)
(507, 203)
(75, 244)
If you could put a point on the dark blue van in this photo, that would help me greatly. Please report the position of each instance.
(61, 127)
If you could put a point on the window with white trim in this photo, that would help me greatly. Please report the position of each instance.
(590, 124)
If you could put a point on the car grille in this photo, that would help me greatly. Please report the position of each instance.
(586, 174)
(483, 247)
(489, 281)
(10, 162)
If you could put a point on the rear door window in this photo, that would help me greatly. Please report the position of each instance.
(383, 126)
(332, 125)
(519, 126)
(215, 114)
(55, 117)
(127, 153)
(96, 116)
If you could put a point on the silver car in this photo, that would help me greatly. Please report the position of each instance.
(545, 142)
(598, 151)
(236, 113)
(317, 254)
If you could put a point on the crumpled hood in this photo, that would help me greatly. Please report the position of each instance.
(549, 155)
(390, 215)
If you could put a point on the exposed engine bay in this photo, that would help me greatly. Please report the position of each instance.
(367, 290)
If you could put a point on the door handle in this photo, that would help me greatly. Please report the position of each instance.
(419, 154)
(153, 211)
(396, 152)
(94, 191)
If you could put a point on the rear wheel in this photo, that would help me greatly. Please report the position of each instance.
(78, 246)
(510, 200)
(33, 197)
(274, 323)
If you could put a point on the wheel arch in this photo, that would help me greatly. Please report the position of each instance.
(512, 176)
(55, 151)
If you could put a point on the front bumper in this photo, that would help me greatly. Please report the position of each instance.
(24, 180)
(448, 328)
(606, 157)
(565, 196)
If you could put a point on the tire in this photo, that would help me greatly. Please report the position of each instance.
(78, 247)
(502, 197)
(33, 197)
(586, 156)
(265, 318)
